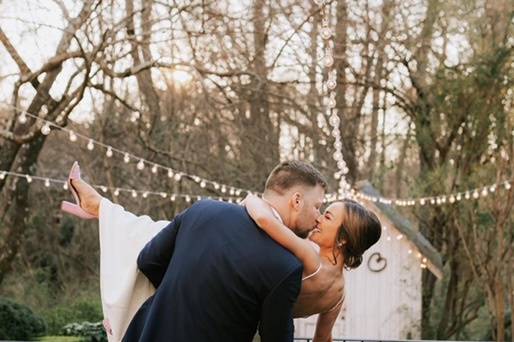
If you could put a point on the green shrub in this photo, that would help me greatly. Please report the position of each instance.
(81, 311)
(93, 332)
(18, 322)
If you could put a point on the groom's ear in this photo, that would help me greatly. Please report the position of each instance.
(297, 201)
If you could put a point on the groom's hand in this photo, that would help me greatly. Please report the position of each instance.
(107, 326)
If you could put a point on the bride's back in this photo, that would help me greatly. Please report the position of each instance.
(322, 292)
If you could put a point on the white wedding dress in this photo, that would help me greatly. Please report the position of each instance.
(123, 287)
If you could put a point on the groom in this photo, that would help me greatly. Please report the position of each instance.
(218, 276)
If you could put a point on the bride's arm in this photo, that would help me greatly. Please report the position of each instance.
(325, 324)
(262, 214)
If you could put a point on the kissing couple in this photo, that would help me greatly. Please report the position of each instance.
(220, 271)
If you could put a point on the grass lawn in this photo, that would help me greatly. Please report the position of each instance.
(59, 339)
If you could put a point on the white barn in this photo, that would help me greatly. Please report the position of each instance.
(383, 295)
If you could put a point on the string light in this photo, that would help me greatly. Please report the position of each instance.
(439, 199)
(22, 118)
(117, 191)
(45, 130)
(73, 136)
(451, 198)
(332, 113)
(127, 157)
(140, 165)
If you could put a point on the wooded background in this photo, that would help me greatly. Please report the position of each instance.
(226, 89)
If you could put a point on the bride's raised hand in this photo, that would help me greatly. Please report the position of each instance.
(258, 209)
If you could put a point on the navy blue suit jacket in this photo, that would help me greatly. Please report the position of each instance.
(217, 277)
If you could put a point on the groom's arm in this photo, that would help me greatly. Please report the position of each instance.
(154, 258)
(277, 310)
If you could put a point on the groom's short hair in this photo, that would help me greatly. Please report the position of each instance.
(291, 173)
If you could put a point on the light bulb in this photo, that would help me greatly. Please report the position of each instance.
(29, 179)
(163, 194)
(134, 193)
(154, 169)
(126, 158)
(2, 175)
(328, 60)
(177, 177)
(326, 33)
(73, 137)
(331, 84)
(202, 184)
(47, 183)
(65, 186)
(22, 119)
(116, 192)
(140, 165)
(90, 145)
(170, 173)
(334, 120)
(109, 152)
(45, 130)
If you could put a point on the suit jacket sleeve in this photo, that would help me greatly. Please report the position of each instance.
(277, 311)
(154, 258)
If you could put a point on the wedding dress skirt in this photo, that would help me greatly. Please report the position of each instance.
(123, 287)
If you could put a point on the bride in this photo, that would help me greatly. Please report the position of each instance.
(342, 234)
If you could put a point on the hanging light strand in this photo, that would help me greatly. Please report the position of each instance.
(48, 181)
(177, 175)
(329, 88)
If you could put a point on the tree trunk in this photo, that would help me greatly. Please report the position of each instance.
(378, 74)
(259, 135)
(23, 159)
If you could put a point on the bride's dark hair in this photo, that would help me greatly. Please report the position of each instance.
(359, 230)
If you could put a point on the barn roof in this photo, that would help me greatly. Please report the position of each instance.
(434, 262)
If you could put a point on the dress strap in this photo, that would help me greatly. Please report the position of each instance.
(337, 304)
(312, 274)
